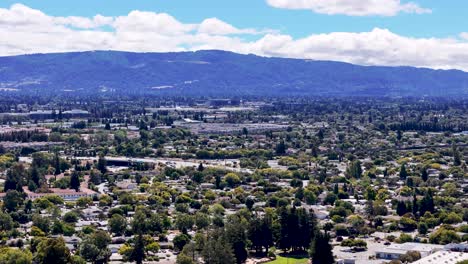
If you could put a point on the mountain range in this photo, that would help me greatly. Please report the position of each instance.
(217, 73)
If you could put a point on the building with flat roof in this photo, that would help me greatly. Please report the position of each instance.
(65, 194)
(396, 250)
(75, 113)
(443, 257)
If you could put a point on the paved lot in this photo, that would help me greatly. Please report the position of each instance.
(360, 257)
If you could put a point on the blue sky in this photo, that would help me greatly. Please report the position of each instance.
(448, 18)
(421, 33)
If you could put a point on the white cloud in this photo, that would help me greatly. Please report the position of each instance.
(150, 22)
(214, 26)
(464, 35)
(352, 7)
(20, 16)
(84, 22)
(24, 30)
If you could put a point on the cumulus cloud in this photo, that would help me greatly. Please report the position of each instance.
(84, 22)
(24, 30)
(352, 7)
(214, 26)
(150, 22)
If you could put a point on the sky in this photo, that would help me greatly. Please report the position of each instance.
(421, 33)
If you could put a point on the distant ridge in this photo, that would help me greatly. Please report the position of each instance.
(217, 73)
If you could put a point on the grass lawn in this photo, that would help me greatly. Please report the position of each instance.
(289, 260)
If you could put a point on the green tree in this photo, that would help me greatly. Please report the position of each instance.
(43, 223)
(15, 256)
(16, 177)
(410, 256)
(53, 251)
(95, 247)
(57, 164)
(281, 148)
(260, 232)
(201, 167)
(75, 181)
(105, 200)
(217, 249)
(427, 203)
(401, 208)
(456, 156)
(102, 164)
(138, 252)
(34, 175)
(321, 250)
(95, 177)
(354, 243)
(424, 174)
(201, 220)
(117, 224)
(12, 200)
(236, 235)
(184, 222)
(184, 259)
(70, 217)
(232, 179)
(444, 236)
(6, 222)
(180, 241)
(403, 172)
(354, 170)
(139, 221)
(422, 228)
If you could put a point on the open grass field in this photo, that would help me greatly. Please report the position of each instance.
(289, 260)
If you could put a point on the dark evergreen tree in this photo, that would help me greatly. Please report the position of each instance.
(322, 176)
(456, 156)
(297, 228)
(236, 235)
(354, 170)
(75, 181)
(260, 233)
(415, 205)
(101, 165)
(57, 164)
(16, 176)
(35, 177)
(138, 251)
(335, 189)
(200, 167)
(427, 203)
(217, 250)
(321, 250)
(410, 182)
(401, 208)
(281, 148)
(403, 172)
(424, 174)
(320, 134)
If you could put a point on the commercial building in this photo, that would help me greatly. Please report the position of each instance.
(443, 257)
(395, 251)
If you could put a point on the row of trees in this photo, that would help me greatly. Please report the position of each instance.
(289, 229)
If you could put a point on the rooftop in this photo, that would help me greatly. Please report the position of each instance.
(411, 246)
(443, 257)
